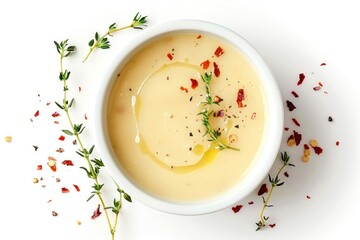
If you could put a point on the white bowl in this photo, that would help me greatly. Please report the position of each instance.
(267, 152)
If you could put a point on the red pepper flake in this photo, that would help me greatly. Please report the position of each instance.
(241, 98)
(251, 203)
(323, 64)
(286, 129)
(296, 122)
(60, 150)
(286, 174)
(76, 187)
(67, 163)
(320, 84)
(272, 225)
(194, 83)
(308, 197)
(263, 189)
(79, 89)
(37, 113)
(56, 122)
(61, 138)
(317, 88)
(205, 64)
(48, 103)
(64, 190)
(290, 105)
(184, 89)
(297, 137)
(318, 150)
(219, 51)
(170, 56)
(306, 146)
(55, 114)
(220, 113)
(237, 208)
(216, 70)
(199, 36)
(301, 78)
(337, 143)
(96, 213)
(52, 163)
(39, 167)
(85, 116)
(294, 94)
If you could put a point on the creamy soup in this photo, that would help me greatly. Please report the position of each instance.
(186, 117)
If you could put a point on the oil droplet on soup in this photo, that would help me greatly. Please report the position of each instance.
(155, 127)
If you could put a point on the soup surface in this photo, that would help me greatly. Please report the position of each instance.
(186, 116)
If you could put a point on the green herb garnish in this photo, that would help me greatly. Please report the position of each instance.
(94, 164)
(275, 182)
(207, 113)
(103, 42)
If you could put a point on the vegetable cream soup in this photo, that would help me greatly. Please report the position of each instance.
(186, 116)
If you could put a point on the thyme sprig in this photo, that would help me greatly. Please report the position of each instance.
(103, 42)
(275, 182)
(206, 113)
(93, 164)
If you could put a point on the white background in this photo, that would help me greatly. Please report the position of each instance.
(293, 36)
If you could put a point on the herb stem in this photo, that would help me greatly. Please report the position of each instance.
(275, 182)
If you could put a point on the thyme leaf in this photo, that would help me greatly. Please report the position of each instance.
(103, 42)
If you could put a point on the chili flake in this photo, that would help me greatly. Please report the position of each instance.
(96, 213)
(37, 113)
(76, 187)
(68, 163)
(323, 64)
(251, 203)
(39, 167)
(61, 138)
(194, 83)
(199, 36)
(337, 143)
(301, 78)
(263, 189)
(184, 89)
(219, 51)
(290, 105)
(296, 122)
(272, 225)
(170, 56)
(205, 64)
(241, 98)
(55, 114)
(216, 70)
(294, 94)
(286, 174)
(52, 163)
(237, 208)
(64, 190)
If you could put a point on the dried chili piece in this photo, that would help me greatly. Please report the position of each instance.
(96, 213)
(272, 225)
(301, 78)
(219, 51)
(55, 114)
(205, 64)
(199, 36)
(263, 189)
(216, 70)
(296, 122)
(194, 83)
(241, 98)
(297, 137)
(237, 208)
(170, 56)
(62, 138)
(76, 187)
(68, 163)
(294, 94)
(37, 113)
(64, 190)
(290, 105)
(184, 89)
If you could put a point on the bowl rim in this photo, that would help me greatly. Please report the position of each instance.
(273, 133)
